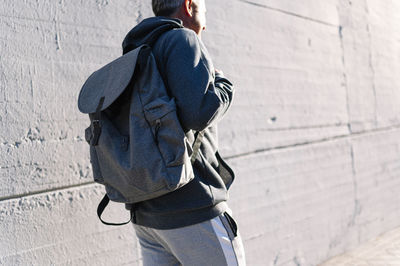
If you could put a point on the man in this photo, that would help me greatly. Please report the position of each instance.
(191, 225)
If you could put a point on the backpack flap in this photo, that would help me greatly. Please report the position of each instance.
(109, 82)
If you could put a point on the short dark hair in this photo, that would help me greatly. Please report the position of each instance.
(166, 7)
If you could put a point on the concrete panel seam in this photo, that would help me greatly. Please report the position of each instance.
(288, 13)
(45, 191)
(371, 65)
(323, 140)
(345, 83)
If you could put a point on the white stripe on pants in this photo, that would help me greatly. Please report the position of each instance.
(211, 243)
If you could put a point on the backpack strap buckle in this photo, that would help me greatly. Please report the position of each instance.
(95, 126)
(96, 131)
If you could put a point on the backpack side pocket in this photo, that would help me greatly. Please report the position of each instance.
(167, 131)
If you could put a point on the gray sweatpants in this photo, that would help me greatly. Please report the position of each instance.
(214, 242)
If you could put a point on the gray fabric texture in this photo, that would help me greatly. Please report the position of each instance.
(118, 73)
(208, 243)
(202, 99)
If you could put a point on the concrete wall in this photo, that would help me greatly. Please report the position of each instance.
(314, 133)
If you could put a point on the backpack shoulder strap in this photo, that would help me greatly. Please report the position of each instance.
(196, 145)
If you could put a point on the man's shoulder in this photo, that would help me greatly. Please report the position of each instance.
(181, 32)
(181, 37)
(182, 44)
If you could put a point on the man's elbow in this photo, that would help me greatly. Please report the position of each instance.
(196, 122)
(203, 118)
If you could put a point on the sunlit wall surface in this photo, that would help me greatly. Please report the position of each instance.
(313, 134)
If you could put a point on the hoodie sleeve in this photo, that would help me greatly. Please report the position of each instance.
(202, 96)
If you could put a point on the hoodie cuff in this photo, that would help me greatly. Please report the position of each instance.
(219, 74)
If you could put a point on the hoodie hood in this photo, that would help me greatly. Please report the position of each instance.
(148, 31)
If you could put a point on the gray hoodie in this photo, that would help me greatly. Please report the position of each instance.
(202, 98)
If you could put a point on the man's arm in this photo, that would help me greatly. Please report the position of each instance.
(202, 97)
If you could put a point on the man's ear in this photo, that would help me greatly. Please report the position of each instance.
(189, 8)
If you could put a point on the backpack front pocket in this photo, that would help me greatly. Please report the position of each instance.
(167, 131)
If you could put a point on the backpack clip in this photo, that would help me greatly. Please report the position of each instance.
(95, 126)
(96, 131)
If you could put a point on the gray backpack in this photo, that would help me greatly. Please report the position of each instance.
(138, 149)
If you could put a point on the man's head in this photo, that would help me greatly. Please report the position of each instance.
(191, 12)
